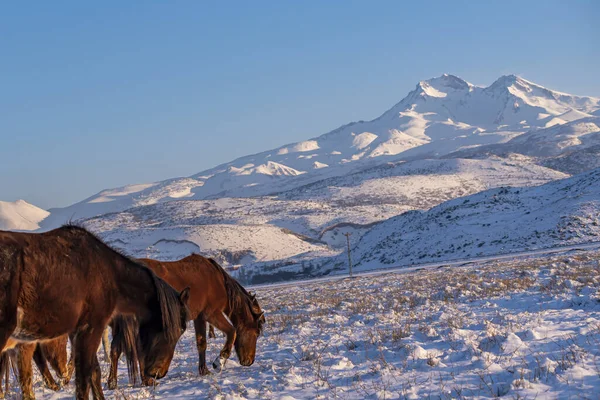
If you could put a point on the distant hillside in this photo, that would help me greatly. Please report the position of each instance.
(494, 221)
(20, 215)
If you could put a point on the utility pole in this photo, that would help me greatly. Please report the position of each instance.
(347, 234)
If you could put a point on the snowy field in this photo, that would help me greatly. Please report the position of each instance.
(522, 329)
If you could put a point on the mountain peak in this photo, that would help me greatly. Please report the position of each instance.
(507, 81)
(442, 86)
(447, 81)
(509, 78)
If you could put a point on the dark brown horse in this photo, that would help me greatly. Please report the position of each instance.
(215, 298)
(69, 281)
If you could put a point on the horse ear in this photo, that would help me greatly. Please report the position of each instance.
(184, 295)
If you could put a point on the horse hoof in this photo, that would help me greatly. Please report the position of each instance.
(149, 382)
(52, 386)
(217, 366)
(204, 371)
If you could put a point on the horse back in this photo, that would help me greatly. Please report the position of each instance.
(207, 287)
(57, 275)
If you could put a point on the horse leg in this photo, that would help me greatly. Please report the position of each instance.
(97, 393)
(56, 353)
(42, 363)
(106, 343)
(25, 354)
(71, 363)
(116, 348)
(200, 328)
(87, 370)
(222, 323)
(211, 332)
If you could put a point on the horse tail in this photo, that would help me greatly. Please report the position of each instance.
(5, 369)
(7, 364)
(12, 262)
(125, 329)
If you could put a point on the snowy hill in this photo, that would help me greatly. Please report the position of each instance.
(119, 199)
(304, 223)
(571, 147)
(440, 116)
(20, 215)
(494, 221)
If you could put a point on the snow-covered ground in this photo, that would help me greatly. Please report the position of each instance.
(527, 328)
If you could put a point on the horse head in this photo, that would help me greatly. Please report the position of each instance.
(159, 333)
(249, 327)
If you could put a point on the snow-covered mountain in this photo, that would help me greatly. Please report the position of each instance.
(20, 215)
(440, 116)
(498, 220)
(291, 205)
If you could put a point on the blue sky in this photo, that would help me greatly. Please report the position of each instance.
(95, 95)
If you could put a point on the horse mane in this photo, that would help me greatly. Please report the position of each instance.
(170, 306)
(168, 297)
(78, 227)
(237, 295)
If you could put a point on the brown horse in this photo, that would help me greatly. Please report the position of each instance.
(216, 298)
(69, 281)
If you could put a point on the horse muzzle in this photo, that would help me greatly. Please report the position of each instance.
(247, 362)
(155, 373)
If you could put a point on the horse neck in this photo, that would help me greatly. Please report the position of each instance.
(136, 288)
